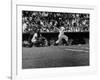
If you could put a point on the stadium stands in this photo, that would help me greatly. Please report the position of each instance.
(47, 21)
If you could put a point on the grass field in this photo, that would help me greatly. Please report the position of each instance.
(55, 56)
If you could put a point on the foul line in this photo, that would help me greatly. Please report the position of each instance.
(76, 50)
(77, 47)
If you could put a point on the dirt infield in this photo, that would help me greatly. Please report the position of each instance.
(55, 56)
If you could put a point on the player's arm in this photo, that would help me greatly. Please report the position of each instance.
(57, 28)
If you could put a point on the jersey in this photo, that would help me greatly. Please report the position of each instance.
(61, 31)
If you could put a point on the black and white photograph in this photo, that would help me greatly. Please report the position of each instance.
(52, 40)
(55, 39)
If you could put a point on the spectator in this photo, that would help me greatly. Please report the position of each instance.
(47, 21)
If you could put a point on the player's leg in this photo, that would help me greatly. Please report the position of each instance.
(59, 39)
(66, 38)
(33, 40)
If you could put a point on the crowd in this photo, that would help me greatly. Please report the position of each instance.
(47, 21)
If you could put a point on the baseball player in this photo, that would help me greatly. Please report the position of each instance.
(61, 35)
